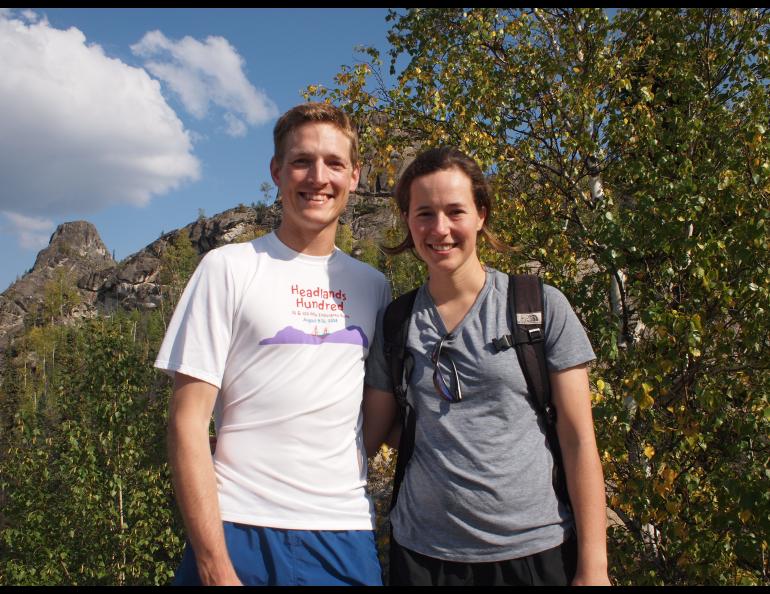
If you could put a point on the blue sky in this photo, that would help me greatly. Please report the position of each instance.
(135, 119)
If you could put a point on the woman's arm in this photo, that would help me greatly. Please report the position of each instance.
(583, 469)
(380, 410)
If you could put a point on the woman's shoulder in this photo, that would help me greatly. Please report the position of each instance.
(553, 297)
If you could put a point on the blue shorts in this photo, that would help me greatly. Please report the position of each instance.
(278, 557)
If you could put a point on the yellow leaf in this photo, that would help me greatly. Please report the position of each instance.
(649, 451)
(669, 475)
(600, 385)
(646, 402)
(745, 515)
(726, 179)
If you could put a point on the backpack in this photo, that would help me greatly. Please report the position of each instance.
(527, 308)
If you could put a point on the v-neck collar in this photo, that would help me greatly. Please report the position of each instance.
(472, 311)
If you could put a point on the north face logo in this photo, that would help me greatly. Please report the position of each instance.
(529, 318)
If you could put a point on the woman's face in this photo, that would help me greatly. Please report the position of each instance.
(443, 220)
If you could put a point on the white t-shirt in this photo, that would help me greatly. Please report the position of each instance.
(284, 337)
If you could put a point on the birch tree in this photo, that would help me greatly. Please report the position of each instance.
(631, 165)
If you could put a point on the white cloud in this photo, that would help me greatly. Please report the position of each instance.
(33, 233)
(30, 15)
(204, 73)
(235, 126)
(80, 131)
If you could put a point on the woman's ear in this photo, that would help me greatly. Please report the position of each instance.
(482, 217)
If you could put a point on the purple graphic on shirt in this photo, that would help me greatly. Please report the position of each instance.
(290, 335)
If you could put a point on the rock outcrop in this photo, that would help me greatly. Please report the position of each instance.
(74, 251)
(134, 283)
(77, 254)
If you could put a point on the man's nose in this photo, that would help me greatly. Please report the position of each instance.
(319, 172)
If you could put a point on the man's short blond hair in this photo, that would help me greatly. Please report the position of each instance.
(314, 112)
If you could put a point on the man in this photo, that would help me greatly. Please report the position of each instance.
(272, 335)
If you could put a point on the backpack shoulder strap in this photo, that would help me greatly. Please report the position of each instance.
(526, 303)
(395, 326)
(527, 307)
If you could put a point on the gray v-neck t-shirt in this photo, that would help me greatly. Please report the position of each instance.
(478, 487)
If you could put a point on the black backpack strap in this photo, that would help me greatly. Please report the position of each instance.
(395, 324)
(526, 304)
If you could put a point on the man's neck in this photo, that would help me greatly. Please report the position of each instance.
(309, 243)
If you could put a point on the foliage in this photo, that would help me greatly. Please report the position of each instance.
(60, 299)
(86, 491)
(668, 110)
(367, 251)
(178, 262)
(60, 296)
(343, 238)
(267, 189)
(404, 271)
(382, 467)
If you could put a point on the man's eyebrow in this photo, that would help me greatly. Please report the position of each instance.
(301, 153)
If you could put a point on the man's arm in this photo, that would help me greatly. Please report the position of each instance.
(585, 481)
(194, 481)
(380, 410)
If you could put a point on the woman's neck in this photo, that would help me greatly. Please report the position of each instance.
(463, 284)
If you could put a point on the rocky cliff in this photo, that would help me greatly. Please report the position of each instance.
(77, 254)
(75, 250)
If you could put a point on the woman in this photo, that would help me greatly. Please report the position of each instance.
(477, 504)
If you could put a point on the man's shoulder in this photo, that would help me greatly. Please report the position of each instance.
(237, 253)
(359, 268)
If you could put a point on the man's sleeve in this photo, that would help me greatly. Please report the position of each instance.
(197, 340)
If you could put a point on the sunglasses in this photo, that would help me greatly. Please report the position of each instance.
(443, 388)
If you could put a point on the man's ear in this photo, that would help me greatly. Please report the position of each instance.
(355, 177)
(275, 169)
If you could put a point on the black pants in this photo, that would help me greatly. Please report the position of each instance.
(554, 567)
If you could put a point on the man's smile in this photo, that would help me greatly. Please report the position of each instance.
(313, 197)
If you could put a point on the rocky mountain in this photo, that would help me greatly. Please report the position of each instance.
(75, 250)
(76, 255)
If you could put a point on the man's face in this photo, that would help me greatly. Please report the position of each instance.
(314, 177)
